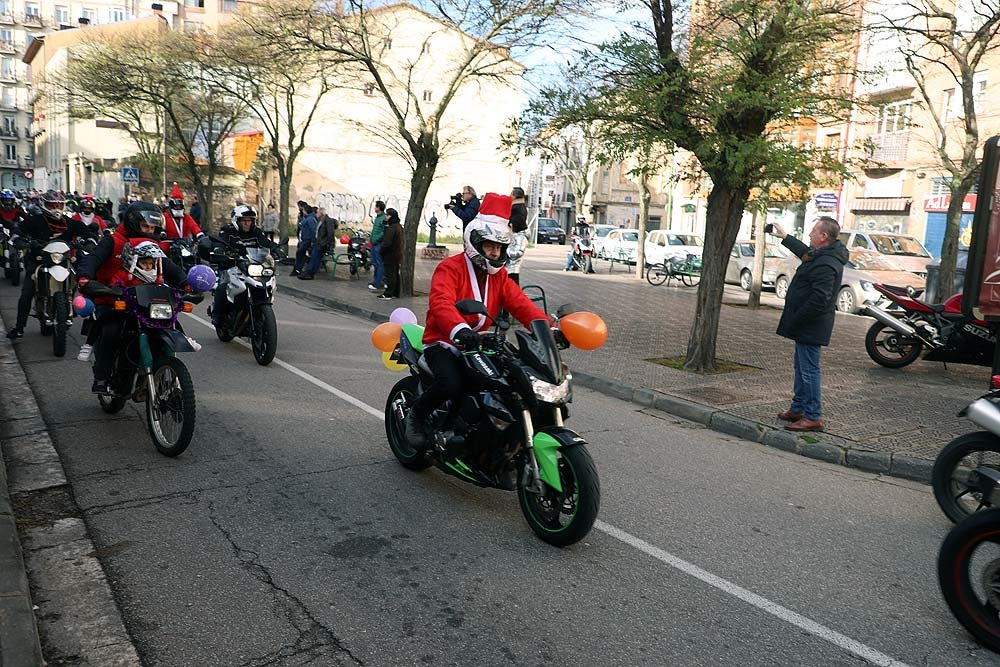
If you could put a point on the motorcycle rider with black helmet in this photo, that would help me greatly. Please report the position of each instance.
(142, 222)
(48, 223)
(241, 229)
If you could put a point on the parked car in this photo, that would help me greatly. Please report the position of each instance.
(739, 270)
(550, 231)
(620, 244)
(662, 244)
(597, 236)
(907, 251)
(864, 268)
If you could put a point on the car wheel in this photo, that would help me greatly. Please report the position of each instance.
(781, 287)
(746, 280)
(845, 300)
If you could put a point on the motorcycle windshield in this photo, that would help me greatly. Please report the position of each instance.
(150, 294)
(260, 256)
(538, 350)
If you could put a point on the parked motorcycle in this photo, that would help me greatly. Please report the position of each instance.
(358, 252)
(507, 430)
(898, 336)
(249, 281)
(582, 257)
(956, 469)
(10, 256)
(146, 369)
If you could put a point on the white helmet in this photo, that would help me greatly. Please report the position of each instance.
(479, 231)
(243, 211)
(145, 250)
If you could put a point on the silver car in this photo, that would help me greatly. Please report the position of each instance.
(740, 267)
(865, 268)
(906, 251)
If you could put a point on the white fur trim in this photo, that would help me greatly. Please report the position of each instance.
(458, 327)
(492, 218)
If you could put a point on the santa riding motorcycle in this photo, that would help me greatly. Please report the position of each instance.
(11, 217)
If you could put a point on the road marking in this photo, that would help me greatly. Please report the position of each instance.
(316, 325)
(798, 620)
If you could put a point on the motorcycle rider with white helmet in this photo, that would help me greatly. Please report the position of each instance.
(243, 229)
(478, 273)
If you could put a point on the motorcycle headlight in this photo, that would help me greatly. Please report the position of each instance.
(255, 270)
(546, 392)
(161, 311)
(267, 273)
(56, 257)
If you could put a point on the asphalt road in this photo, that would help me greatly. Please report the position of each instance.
(288, 535)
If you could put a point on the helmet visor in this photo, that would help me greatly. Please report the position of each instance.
(150, 221)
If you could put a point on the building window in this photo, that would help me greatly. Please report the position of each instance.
(230, 6)
(387, 44)
(428, 96)
(369, 89)
(200, 4)
(31, 10)
(118, 14)
(62, 14)
(978, 91)
(5, 7)
(7, 37)
(427, 47)
(89, 14)
(10, 126)
(939, 186)
(10, 152)
(7, 70)
(894, 118)
(947, 104)
(28, 39)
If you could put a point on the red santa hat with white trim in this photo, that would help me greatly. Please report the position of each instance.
(492, 223)
(176, 193)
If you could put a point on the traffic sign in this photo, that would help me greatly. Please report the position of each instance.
(29, 174)
(130, 175)
(826, 200)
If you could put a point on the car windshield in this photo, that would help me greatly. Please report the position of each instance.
(603, 231)
(899, 245)
(547, 223)
(770, 250)
(867, 260)
(630, 236)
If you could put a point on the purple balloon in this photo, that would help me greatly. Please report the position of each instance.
(85, 309)
(403, 316)
(201, 278)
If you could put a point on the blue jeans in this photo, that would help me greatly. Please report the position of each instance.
(378, 277)
(808, 384)
(300, 254)
(315, 257)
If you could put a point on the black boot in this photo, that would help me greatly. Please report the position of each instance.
(415, 431)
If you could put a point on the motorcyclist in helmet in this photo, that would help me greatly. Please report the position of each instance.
(478, 273)
(178, 223)
(48, 223)
(580, 231)
(242, 230)
(88, 215)
(117, 256)
(11, 215)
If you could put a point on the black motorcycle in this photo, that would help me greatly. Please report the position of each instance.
(10, 256)
(506, 431)
(249, 277)
(183, 253)
(358, 253)
(146, 368)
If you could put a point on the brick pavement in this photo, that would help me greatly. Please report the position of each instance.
(883, 420)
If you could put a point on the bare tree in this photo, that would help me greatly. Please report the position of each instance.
(949, 40)
(482, 34)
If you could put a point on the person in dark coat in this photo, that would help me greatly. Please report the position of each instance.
(392, 254)
(809, 314)
(467, 208)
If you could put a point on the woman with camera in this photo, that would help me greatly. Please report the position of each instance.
(465, 205)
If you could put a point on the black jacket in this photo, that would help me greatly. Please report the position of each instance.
(810, 304)
(255, 238)
(35, 229)
(392, 242)
(519, 216)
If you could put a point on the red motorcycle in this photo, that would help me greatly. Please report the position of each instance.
(903, 331)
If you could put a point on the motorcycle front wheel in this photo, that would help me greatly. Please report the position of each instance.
(887, 347)
(566, 517)
(404, 392)
(969, 575)
(951, 470)
(170, 412)
(264, 336)
(60, 313)
(42, 309)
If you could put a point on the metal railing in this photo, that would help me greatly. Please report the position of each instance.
(890, 147)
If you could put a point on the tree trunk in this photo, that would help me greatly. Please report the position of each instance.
(423, 174)
(949, 248)
(722, 224)
(284, 204)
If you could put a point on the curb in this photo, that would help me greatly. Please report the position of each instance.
(820, 446)
(78, 617)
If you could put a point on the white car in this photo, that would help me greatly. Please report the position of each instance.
(662, 244)
(620, 244)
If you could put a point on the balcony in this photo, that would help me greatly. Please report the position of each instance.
(7, 19)
(8, 133)
(889, 147)
(8, 47)
(8, 76)
(8, 103)
(33, 21)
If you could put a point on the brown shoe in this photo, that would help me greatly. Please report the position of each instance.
(789, 416)
(805, 425)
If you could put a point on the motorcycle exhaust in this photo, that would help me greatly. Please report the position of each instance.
(983, 413)
(890, 321)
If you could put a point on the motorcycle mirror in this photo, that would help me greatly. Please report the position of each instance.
(565, 310)
(471, 307)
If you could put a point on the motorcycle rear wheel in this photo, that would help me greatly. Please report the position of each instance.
(970, 579)
(60, 313)
(407, 456)
(264, 336)
(564, 518)
(886, 350)
(953, 465)
(170, 414)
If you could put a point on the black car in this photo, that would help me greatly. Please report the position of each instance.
(550, 231)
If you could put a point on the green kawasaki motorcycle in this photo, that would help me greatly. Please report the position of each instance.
(507, 431)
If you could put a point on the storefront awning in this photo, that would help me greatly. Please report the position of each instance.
(881, 205)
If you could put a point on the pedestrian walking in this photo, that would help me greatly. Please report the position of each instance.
(378, 230)
(809, 314)
(195, 211)
(270, 223)
(392, 253)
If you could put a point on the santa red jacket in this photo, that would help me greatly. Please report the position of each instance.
(454, 280)
(93, 218)
(188, 227)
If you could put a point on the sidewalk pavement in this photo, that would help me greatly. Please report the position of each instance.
(877, 419)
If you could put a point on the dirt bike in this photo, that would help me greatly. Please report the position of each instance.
(507, 430)
(10, 256)
(146, 369)
(898, 336)
(55, 281)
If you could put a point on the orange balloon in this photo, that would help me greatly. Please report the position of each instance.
(385, 337)
(584, 330)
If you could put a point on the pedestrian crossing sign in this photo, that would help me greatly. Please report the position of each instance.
(130, 175)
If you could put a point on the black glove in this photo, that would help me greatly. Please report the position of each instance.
(468, 339)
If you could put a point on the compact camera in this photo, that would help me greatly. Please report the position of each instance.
(769, 228)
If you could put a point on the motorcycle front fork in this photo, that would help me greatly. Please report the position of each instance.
(532, 479)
